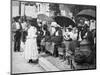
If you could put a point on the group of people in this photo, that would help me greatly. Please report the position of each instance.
(25, 38)
(33, 35)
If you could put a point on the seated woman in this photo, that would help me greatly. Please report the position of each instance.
(55, 38)
(74, 43)
(66, 34)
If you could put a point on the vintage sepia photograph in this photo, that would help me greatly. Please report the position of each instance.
(52, 37)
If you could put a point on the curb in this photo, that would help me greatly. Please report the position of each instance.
(46, 65)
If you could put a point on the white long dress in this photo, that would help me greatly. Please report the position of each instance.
(31, 51)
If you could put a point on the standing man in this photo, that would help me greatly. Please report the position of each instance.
(17, 36)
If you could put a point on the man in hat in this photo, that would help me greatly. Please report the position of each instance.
(39, 34)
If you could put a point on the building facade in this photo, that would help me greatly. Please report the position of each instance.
(15, 8)
(32, 9)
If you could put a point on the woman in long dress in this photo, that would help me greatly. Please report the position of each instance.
(31, 52)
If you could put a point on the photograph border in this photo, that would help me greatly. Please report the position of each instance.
(45, 71)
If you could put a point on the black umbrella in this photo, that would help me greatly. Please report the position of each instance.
(88, 13)
(64, 21)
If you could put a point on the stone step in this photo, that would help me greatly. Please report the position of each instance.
(45, 64)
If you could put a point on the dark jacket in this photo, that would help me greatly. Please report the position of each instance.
(17, 34)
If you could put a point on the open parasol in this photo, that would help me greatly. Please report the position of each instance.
(64, 21)
(42, 17)
(88, 13)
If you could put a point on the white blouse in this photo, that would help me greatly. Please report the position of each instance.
(74, 36)
(32, 32)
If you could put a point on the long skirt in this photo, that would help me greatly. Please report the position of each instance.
(67, 43)
(73, 45)
(31, 51)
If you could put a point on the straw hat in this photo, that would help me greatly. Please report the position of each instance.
(53, 24)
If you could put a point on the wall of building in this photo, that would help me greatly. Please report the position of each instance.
(30, 11)
(33, 11)
(15, 8)
(65, 10)
(22, 9)
(43, 8)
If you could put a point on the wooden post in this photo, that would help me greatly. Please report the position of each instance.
(19, 8)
